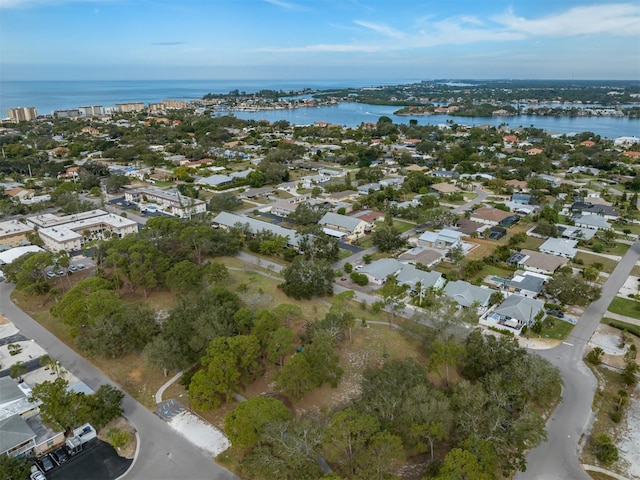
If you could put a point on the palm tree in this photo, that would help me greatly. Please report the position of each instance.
(17, 370)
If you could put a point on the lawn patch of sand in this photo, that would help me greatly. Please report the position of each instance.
(200, 433)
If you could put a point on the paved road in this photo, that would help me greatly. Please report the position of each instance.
(163, 453)
(557, 458)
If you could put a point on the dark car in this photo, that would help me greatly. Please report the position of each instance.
(60, 455)
(46, 463)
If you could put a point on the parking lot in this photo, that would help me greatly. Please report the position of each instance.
(97, 461)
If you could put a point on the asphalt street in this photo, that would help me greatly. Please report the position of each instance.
(163, 453)
(557, 458)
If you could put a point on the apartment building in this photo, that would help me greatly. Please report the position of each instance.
(129, 107)
(22, 114)
(169, 202)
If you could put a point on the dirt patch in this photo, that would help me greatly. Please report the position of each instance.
(629, 439)
(3, 320)
(608, 338)
(121, 423)
(538, 343)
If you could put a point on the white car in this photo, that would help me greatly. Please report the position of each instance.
(357, 267)
(37, 476)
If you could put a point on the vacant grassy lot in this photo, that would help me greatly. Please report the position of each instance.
(608, 265)
(626, 307)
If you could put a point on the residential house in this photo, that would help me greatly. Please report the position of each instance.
(367, 188)
(466, 294)
(395, 182)
(423, 256)
(526, 284)
(444, 188)
(444, 174)
(521, 198)
(594, 222)
(517, 311)
(537, 262)
(468, 226)
(442, 239)
(414, 278)
(229, 220)
(338, 197)
(561, 247)
(489, 216)
(370, 216)
(19, 194)
(215, 180)
(518, 185)
(574, 232)
(551, 180)
(606, 211)
(378, 271)
(338, 225)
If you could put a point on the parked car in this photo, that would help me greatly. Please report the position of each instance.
(51, 275)
(46, 463)
(37, 476)
(73, 268)
(60, 455)
(80, 266)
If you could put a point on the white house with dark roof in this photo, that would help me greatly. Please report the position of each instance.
(351, 227)
(466, 294)
(561, 247)
(537, 262)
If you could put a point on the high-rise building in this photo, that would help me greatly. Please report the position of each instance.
(22, 114)
(66, 113)
(91, 111)
(129, 107)
(170, 104)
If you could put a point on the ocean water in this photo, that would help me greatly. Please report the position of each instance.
(47, 96)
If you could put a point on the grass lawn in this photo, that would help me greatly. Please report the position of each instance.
(617, 249)
(402, 226)
(365, 242)
(532, 243)
(495, 271)
(559, 331)
(626, 307)
(608, 265)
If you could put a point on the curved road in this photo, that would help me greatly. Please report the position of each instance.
(557, 458)
(163, 454)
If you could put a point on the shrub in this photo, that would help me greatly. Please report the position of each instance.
(594, 357)
(616, 416)
(359, 279)
(348, 268)
(118, 438)
(604, 449)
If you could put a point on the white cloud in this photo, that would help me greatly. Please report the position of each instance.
(285, 5)
(45, 3)
(613, 19)
(381, 28)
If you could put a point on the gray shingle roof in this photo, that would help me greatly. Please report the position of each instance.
(521, 308)
(14, 431)
(410, 275)
(342, 221)
(383, 268)
(466, 294)
(231, 219)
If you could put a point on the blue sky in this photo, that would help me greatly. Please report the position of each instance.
(385, 40)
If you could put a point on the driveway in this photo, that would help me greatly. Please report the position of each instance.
(97, 461)
(163, 454)
(557, 458)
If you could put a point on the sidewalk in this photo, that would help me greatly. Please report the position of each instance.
(622, 318)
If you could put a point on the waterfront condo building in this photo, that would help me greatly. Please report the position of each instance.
(22, 114)
(129, 107)
(91, 111)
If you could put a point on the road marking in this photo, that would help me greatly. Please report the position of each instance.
(570, 344)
